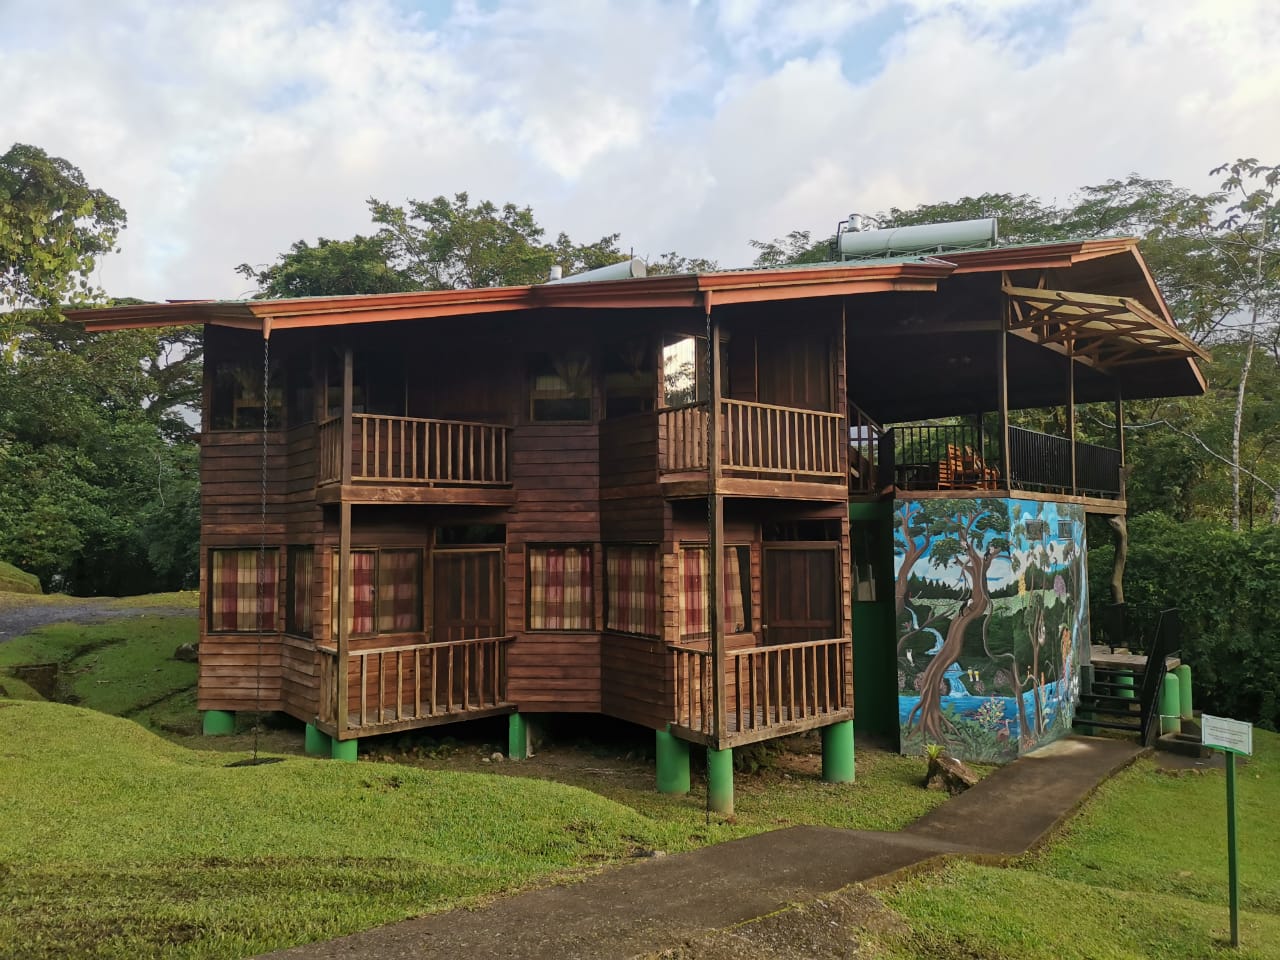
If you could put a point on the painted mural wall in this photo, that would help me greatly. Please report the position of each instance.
(992, 610)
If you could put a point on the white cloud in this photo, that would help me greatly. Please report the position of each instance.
(230, 130)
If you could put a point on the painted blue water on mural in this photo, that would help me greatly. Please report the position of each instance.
(968, 705)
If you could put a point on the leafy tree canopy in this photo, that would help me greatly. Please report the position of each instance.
(332, 268)
(53, 226)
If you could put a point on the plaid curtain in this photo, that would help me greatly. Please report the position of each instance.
(233, 588)
(359, 593)
(560, 593)
(631, 584)
(302, 576)
(399, 591)
(695, 593)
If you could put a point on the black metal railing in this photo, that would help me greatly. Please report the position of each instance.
(1038, 461)
(1097, 469)
(1164, 644)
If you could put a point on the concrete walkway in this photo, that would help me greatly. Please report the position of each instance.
(641, 908)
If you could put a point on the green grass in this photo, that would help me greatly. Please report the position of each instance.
(120, 844)
(1141, 872)
(13, 580)
(120, 667)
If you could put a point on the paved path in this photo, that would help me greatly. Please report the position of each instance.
(644, 907)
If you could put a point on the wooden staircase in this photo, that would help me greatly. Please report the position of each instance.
(1125, 696)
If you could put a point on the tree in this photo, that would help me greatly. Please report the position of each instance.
(332, 268)
(53, 226)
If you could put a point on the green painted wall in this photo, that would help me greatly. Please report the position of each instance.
(875, 658)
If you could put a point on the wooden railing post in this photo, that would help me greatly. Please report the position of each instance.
(341, 588)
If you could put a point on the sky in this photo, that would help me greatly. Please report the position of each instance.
(229, 130)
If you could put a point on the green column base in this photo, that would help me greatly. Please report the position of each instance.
(837, 752)
(317, 742)
(1126, 687)
(346, 750)
(219, 723)
(517, 737)
(720, 780)
(673, 762)
(1184, 692)
(1170, 720)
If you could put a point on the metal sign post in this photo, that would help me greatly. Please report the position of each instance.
(1232, 737)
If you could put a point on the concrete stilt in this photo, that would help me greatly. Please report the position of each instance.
(1184, 692)
(316, 741)
(1170, 719)
(219, 723)
(517, 737)
(720, 780)
(346, 750)
(837, 753)
(673, 762)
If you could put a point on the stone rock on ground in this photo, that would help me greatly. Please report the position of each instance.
(187, 652)
(949, 774)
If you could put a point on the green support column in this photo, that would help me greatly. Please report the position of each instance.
(1170, 721)
(316, 741)
(346, 750)
(517, 737)
(837, 752)
(720, 780)
(219, 723)
(1126, 687)
(673, 762)
(1184, 692)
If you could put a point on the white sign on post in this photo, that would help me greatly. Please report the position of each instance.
(1224, 734)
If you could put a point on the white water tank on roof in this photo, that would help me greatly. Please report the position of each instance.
(625, 270)
(923, 238)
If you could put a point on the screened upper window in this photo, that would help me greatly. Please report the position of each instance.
(242, 591)
(238, 391)
(560, 387)
(629, 385)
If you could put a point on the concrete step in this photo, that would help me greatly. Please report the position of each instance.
(1185, 744)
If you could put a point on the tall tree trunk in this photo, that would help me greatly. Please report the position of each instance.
(1121, 527)
(911, 555)
(1275, 507)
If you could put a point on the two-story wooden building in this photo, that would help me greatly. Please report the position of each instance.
(425, 507)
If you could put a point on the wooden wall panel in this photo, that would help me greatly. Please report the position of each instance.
(634, 680)
(553, 672)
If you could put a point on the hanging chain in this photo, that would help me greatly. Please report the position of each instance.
(262, 541)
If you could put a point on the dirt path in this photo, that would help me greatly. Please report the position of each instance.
(21, 618)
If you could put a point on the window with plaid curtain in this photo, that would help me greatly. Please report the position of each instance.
(301, 590)
(560, 588)
(384, 594)
(233, 591)
(633, 596)
(695, 591)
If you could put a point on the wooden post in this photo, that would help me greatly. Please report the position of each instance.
(1071, 410)
(340, 598)
(1120, 424)
(348, 388)
(1002, 400)
(715, 544)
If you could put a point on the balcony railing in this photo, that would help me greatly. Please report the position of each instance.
(421, 682)
(414, 450)
(959, 457)
(755, 438)
(793, 685)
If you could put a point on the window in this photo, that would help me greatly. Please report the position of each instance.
(384, 593)
(236, 580)
(560, 588)
(560, 387)
(237, 396)
(1064, 529)
(695, 591)
(301, 590)
(629, 385)
(1036, 529)
(633, 596)
(683, 375)
(302, 392)
(377, 384)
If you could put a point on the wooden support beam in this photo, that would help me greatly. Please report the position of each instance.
(715, 544)
(1002, 400)
(348, 388)
(1071, 413)
(341, 590)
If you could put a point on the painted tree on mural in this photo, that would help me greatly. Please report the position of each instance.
(969, 541)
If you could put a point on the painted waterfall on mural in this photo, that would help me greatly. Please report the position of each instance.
(992, 614)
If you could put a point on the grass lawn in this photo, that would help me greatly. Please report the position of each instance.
(13, 580)
(1141, 872)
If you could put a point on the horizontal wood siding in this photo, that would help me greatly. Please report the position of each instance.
(632, 505)
(552, 672)
(634, 684)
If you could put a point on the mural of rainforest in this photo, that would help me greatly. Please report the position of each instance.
(992, 616)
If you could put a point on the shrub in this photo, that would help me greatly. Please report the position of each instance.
(1224, 585)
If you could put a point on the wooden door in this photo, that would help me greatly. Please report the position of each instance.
(800, 595)
(467, 594)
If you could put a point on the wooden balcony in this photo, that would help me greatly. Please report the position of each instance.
(770, 691)
(413, 459)
(414, 685)
(958, 460)
(765, 451)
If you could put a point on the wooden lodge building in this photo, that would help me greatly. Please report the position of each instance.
(513, 500)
